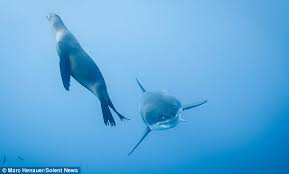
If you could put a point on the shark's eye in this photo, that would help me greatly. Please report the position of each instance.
(163, 117)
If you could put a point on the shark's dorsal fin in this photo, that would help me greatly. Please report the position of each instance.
(140, 85)
(147, 131)
(192, 105)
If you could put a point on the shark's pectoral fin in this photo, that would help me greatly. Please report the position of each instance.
(192, 105)
(140, 85)
(147, 131)
(65, 71)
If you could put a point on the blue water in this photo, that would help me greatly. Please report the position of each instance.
(232, 53)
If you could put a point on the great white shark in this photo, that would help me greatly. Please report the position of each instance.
(159, 111)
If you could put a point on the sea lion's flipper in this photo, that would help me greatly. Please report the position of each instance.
(65, 72)
(192, 105)
(107, 116)
(64, 65)
(140, 85)
(147, 131)
(118, 114)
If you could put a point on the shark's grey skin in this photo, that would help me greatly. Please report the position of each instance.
(75, 62)
(160, 111)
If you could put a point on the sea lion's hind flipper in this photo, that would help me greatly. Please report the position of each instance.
(147, 131)
(107, 116)
(118, 114)
(193, 105)
(65, 72)
(140, 85)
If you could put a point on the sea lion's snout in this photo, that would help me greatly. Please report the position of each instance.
(50, 15)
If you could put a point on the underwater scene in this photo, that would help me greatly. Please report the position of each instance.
(144, 87)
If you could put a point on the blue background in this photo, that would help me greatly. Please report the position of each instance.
(233, 53)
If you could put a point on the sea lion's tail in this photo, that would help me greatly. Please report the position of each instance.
(107, 116)
(118, 114)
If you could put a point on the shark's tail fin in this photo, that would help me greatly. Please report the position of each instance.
(147, 131)
(107, 116)
(118, 114)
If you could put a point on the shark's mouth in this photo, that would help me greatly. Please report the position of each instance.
(166, 124)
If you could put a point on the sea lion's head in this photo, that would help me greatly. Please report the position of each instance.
(52, 17)
(55, 21)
